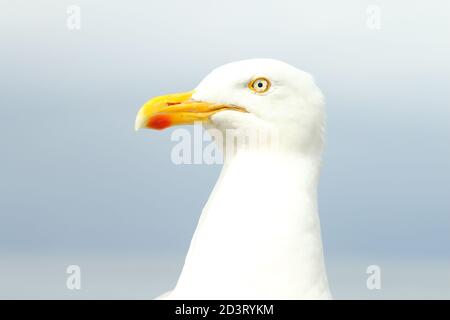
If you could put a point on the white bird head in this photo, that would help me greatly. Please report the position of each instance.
(257, 94)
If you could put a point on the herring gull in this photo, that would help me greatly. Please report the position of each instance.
(258, 236)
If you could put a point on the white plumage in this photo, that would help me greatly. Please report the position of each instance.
(258, 236)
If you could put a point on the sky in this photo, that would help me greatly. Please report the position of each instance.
(77, 182)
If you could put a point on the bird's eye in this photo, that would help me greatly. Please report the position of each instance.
(259, 85)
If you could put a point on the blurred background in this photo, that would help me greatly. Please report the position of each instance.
(79, 187)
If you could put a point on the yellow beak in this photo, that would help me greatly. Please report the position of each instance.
(177, 109)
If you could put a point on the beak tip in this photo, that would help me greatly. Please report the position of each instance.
(138, 124)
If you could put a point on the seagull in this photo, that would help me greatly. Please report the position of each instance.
(258, 236)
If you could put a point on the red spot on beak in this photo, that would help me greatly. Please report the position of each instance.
(159, 122)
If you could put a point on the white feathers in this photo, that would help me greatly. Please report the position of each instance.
(258, 236)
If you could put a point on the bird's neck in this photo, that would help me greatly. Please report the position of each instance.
(259, 233)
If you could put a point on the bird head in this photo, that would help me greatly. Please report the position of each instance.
(261, 95)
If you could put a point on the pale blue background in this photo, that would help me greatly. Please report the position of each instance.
(79, 186)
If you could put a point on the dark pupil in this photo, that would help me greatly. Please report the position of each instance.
(260, 84)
